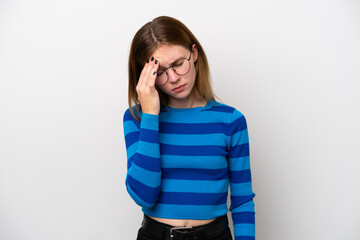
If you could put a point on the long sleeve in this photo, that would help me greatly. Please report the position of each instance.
(143, 177)
(242, 205)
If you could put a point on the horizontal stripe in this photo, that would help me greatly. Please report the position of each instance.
(177, 185)
(238, 125)
(149, 121)
(148, 178)
(195, 174)
(244, 229)
(207, 162)
(130, 126)
(192, 198)
(201, 212)
(218, 139)
(244, 238)
(239, 138)
(243, 217)
(237, 201)
(151, 136)
(241, 189)
(221, 108)
(148, 149)
(240, 176)
(200, 117)
(146, 162)
(136, 198)
(145, 193)
(131, 138)
(241, 150)
(128, 116)
(240, 163)
(193, 128)
(206, 150)
(245, 207)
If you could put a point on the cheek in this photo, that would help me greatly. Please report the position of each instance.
(163, 89)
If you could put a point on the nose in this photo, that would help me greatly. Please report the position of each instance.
(173, 77)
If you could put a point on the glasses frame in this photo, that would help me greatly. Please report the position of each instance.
(172, 66)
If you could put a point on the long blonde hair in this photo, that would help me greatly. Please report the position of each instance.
(165, 30)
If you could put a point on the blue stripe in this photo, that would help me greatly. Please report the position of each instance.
(192, 128)
(192, 198)
(240, 176)
(202, 212)
(150, 136)
(193, 139)
(200, 186)
(149, 121)
(146, 193)
(149, 178)
(243, 217)
(146, 162)
(127, 116)
(240, 137)
(237, 201)
(149, 149)
(244, 230)
(240, 189)
(207, 162)
(241, 163)
(131, 138)
(241, 150)
(249, 206)
(195, 174)
(226, 109)
(130, 127)
(200, 117)
(206, 150)
(244, 238)
(238, 125)
(136, 198)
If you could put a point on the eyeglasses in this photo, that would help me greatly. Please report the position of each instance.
(180, 67)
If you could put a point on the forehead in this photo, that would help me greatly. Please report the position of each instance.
(166, 54)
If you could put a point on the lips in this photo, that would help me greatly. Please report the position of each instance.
(178, 87)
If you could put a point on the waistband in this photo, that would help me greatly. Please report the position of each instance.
(165, 231)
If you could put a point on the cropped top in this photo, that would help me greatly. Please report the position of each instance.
(181, 163)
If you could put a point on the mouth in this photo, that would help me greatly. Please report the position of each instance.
(178, 87)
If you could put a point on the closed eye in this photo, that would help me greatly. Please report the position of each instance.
(179, 62)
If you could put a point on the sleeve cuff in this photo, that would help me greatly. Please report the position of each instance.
(149, 121)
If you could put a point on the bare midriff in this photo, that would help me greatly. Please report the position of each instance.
(182, 222)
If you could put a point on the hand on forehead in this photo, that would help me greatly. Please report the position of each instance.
(168, 54)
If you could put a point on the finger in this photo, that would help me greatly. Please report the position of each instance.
(143, 73)
(147, 69)
(153, 74)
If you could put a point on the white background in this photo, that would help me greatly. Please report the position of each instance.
(291, 67)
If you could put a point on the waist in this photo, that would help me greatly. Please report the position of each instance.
(182, 222)
(166, 231)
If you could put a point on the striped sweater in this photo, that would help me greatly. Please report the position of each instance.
(181, 162)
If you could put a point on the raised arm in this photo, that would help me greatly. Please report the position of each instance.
(143, 178)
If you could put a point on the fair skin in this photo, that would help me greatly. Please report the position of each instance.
(163, 57)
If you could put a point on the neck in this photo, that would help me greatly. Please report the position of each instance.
(187, 103)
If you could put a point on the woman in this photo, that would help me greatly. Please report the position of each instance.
(183, 147)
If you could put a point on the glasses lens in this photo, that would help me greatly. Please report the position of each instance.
(161, 78)
(182, 66)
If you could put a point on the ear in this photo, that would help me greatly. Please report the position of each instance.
(195, 52)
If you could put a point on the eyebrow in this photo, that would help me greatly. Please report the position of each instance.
(171, 63)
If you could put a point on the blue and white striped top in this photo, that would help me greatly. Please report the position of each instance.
(180, 164)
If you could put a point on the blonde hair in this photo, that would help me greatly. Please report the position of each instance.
(170, 31)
